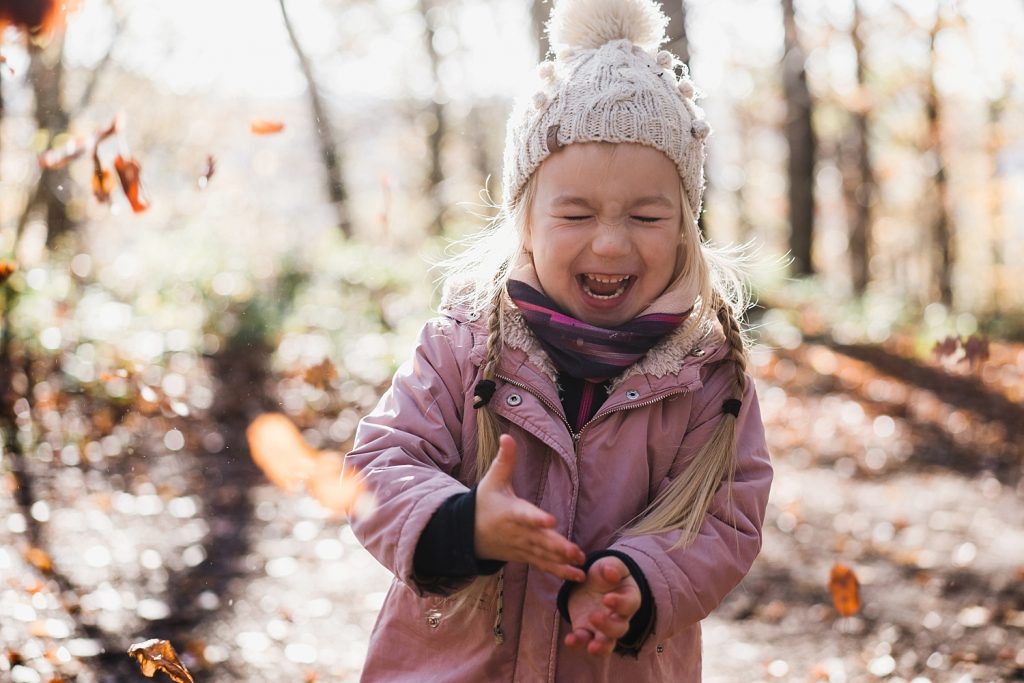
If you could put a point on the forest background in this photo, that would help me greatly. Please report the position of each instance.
(211, 210)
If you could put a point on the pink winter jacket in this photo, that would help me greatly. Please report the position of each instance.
(416, 449)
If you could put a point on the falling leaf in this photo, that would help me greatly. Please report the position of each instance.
(7, 269)
(102, 184)
(129, 172)
(843, 586)
(279, 450)
(159, 655)
(39, 559)
(321, 375)
(265, 127)
(36, 16)
(288, 461)
(208, 171)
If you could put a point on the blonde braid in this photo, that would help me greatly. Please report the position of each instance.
(686, 500)
(737, 349)
(487, 431)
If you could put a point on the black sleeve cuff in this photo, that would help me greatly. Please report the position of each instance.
(641, 625)
(445, 549)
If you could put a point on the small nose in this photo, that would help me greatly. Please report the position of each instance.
(611, 240)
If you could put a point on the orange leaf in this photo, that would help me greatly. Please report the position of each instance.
(288, 461)
(129, 172)
(36, 15)
(265, 127)
(321, 375)
(159, 655)
(845, 590)
(7, 269)
(102, 184)
(39, 559)
(279, 450)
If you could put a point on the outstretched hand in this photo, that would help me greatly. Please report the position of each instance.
(512, 529)
(601, 607)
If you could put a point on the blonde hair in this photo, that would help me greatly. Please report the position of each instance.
(482, 271)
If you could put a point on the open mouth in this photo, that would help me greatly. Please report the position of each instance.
(605, 286)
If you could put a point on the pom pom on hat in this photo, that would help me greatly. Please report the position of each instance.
(665, 59)
(700, 129)
(687, 89)
(589, 24)
(546, 70)
(540, 100)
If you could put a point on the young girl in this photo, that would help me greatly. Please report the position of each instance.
(571, 472)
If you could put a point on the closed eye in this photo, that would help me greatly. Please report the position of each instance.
(576, 218)
(647, 219)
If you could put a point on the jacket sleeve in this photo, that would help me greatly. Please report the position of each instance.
(409, 451)
(689, 582)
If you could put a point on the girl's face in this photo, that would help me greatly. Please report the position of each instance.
(604, 229)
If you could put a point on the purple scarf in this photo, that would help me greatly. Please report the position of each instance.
(586, 351)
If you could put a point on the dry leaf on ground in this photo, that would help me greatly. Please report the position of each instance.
(158, 655)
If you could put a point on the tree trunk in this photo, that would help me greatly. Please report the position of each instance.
(435, 138)
(802, 146)
(329, 151)
(46, 74)
(863, 191)
(540, 10)
(677, 43)
(942, 227)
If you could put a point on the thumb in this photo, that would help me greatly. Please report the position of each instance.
(504, 462)
(611, 571)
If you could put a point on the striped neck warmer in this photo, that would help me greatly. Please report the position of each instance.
(586, 351)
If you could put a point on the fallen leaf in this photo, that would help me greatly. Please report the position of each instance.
(321, 375)
(159, 655)
(945, 348)
(129, 172)
(845, 590)
(976, 350)
(265, 127)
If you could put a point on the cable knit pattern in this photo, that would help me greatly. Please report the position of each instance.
(609, 84)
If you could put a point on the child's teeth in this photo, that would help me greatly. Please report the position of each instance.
(621, 281)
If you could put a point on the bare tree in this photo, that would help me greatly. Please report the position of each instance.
(329, 150)
(46, 75)
(802, 145)
(862, 190)
(430, 10)
(942, 226)
(677, 44)
(539, 12)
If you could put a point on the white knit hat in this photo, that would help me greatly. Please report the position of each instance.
(608, 83)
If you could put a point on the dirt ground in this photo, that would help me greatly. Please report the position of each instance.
(253, 584)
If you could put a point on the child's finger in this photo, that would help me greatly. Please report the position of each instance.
(566, 572)
(613, 571)
(578, 638)
(600, 645)
(504, 462)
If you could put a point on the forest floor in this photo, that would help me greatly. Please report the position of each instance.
(907, 472)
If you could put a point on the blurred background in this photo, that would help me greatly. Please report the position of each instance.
(212, 209)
